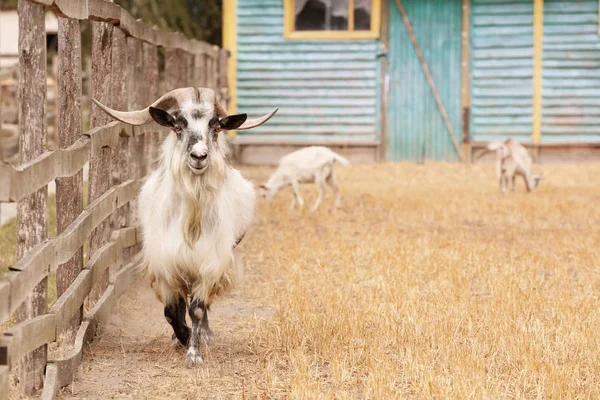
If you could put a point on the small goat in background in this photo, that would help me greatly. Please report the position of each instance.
(512, 159)
(310, 164)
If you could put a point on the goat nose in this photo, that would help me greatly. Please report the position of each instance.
(198, 156)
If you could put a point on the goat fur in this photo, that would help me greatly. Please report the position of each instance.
(307, 165)
(512, 160)
(192, 222)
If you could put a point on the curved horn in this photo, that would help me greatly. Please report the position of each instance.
(169, 101)
(250, 123)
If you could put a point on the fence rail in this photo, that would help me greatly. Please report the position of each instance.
(125, 74)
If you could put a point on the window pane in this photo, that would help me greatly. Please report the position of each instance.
(362, 15)
(321, 15)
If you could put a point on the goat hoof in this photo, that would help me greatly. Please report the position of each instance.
(193, 359)
(176, 342)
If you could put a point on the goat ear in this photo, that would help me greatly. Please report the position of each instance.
(162, 117)
(233, 121)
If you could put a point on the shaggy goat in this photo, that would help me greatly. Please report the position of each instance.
(194, 208)
(307, 165)
(512, 159)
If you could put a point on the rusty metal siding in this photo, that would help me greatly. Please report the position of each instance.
(324, 88)
(416, 129)
(502, 70)
(571, 72)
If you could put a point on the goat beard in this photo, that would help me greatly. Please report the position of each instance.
(200, 193)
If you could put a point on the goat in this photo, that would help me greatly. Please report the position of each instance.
(307, 165)
(512, 159)
(193, 209)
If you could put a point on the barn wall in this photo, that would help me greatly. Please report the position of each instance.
(325, 89)
(571, 72)
(502, 70)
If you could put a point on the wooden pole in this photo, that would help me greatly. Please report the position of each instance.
(69, 191)
(135, 101)
(151, 93)
(171, 70)
(465, 77)
(31, 211)
(430, 80)
(99, 181)
(120, 156)
(538, 34)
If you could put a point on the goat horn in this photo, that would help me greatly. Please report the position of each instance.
(169, 101)
(250, 123)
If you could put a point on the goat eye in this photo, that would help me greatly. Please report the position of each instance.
(178, 129)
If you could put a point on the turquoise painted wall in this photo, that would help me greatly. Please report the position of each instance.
(571, 72)
(415, 127)
(502, 70)
(324, 89)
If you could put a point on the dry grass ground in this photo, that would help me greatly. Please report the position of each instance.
(428, 284)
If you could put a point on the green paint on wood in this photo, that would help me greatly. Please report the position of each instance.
(416, 129)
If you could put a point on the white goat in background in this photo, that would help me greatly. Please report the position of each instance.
(512, 159)
(310, 164)
(194, 208)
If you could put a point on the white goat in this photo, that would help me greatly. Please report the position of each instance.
(194, 208)
(512, 159)
(310, 164)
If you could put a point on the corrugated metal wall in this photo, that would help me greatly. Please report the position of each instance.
(416, 128)
(323, 88)
(502, 70)
(571, 72)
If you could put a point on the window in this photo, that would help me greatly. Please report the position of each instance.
(331, 19)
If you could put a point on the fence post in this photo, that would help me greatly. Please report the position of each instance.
(135, 101)
(151, 93)
(31, 211)
(69, 191)
(99, 163)
(171, 69)
(118, 82)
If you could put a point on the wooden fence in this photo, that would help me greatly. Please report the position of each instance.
(125, 75)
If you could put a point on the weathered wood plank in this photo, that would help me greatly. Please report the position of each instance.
(108, 254)
(70, 302)
(102, 311)
(28, 177)
(31, 211)
(99, 180)
(68, 242)
(77, 9)
(102, 10)
(108, 12)
(135, 101)
(68, 365)
(171, 69)
(69, 191)
(108, 135)
(30, 335)
(126, 276)
(4, 298)
(4, 382)
(50, 382)
(151, 80)
(45, 257)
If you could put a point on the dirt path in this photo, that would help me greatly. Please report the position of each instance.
(133, 357)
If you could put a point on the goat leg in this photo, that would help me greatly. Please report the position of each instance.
(205, 330)
(175, 316)
(197, 311)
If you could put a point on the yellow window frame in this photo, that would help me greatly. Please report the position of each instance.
(290, 33)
